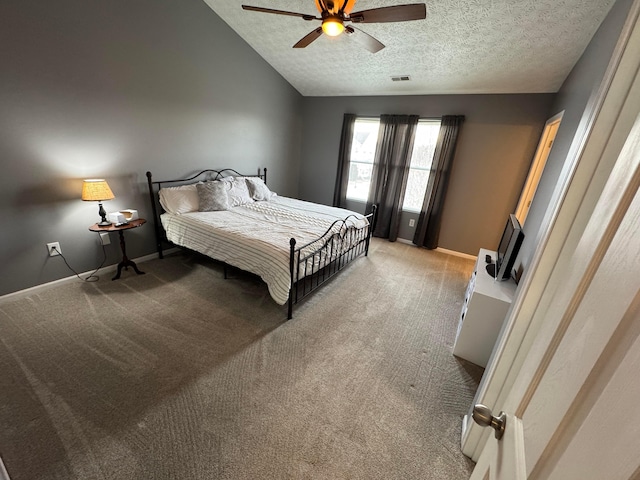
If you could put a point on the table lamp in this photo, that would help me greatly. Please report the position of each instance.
(97, 190)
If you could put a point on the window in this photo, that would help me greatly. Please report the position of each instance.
(363, 149)
(420, 167)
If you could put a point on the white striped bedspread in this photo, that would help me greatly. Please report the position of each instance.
(255, 237)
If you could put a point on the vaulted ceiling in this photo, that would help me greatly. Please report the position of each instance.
(463, 46)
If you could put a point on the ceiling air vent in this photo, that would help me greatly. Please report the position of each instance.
(401, 78)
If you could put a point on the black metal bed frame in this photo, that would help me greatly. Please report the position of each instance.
(310, 265)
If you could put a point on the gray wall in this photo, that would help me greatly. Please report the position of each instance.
(583, 81)
(495, 148)
(114, 89)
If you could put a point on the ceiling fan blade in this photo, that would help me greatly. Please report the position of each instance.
(307, 39)
(397, 13)
(280, 12)
(364, 39)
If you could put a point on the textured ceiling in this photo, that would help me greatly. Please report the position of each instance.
(463, 46)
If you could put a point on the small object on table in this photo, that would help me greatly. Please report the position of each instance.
(120, 228)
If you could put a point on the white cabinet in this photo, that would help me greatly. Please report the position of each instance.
(485, 307)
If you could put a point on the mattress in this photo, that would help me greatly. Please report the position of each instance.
(255, 237)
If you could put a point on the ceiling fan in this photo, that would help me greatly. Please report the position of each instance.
(334, 15)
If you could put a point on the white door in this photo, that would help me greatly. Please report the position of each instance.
(537, 166)
(573, 411)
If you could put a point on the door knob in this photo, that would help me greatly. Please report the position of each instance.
(483, 416)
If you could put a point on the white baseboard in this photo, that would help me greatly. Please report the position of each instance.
(457, 254)
(441, 250)
(404, 240)
(45, 286)
(3, 472)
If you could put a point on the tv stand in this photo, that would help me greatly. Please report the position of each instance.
(485, 307)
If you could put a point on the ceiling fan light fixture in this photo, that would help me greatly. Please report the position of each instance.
(332, 26)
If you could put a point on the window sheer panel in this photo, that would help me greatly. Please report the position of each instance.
(363, 149)
(421, 164)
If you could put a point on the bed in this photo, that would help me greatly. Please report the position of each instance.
(292, 245)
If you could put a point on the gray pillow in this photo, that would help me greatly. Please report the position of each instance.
(258, 189)
(212, 196)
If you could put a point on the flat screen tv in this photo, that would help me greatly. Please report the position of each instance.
(508, 249)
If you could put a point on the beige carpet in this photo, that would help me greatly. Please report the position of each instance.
(180, 374)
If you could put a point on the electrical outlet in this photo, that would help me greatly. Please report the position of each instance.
(412, 223)
(54, 249)
(104, 238)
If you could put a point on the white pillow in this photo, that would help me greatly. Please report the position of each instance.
(239, 192)
(177, 200)
(258, 189)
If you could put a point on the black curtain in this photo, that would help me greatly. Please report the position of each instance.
(390, 171)
(428, 228)
(342, 178)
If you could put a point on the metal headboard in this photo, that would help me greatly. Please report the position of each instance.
(208, 175)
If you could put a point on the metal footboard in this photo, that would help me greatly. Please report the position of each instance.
(313, 264)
